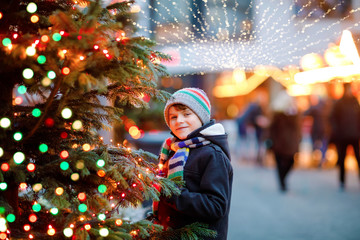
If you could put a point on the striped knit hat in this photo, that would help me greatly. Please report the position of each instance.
(195, 99)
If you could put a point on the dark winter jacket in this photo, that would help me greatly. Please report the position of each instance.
(206, 196)
(285, 133)
(345, 119)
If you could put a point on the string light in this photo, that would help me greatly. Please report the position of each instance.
(82, 207)
(18, 100)
(21, 89)
(45, 38)
(100, 163)
(49, 122)
(66, 113)
(36, 112)
(27, 227)
(51, 74)
(31, 7)
(46, 81)
(77, 125)
(6, 42)
(19, 157)
(64, 166)
(102, 188)
(3, 186)
(104, 232)
(22, 186)
(18, 136)
(5, 122)
(32, 218)
(43, 148)
(87, 227)
(36, 207)
(59, 191)
(64, 154)
(1, 152)
(56, 37)
(31, 167)
(34, 18)
(68, 232)
(30, 51)
(101, 173)
(5, 167)
(28, 73)
(75, 177)
(82, 196)
(41, 59)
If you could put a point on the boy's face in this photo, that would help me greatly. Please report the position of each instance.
(183, 121)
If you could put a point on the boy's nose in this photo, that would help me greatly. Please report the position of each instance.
(180, 118)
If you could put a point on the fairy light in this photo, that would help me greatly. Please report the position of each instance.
(30, 51)
(36, 112)
(32, 218)
(51, 74)
(101, 217)
(5, 122)
(118, 222)
(66, 113)
(87, 227)
(77, 125)
(101, 173)
(104, 232)
(41, 59)
(96, 47)
(54, 211)
(59, 191)
(46, 81)
(51, 231)
(17, 136)
(64, 166)
(31, 167)
(6, 42)
(34, 18)
(100, 163)
(68, 232)
(36, 207)
(45, 38)
(75, 177)
(19, 157)
(82, 196)
(56, 37)
(1, 152)
(37, 187)
(31, 7)
(5, 167)
(82, 207)
(64, 154)
(22, 186)
(18, 100)
(28, 73)
(27, 227)
(81, 58)
(86, 147)
(43, 148)
(102, 188)
(3, 186)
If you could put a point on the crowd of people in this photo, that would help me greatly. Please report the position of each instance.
(332, 121)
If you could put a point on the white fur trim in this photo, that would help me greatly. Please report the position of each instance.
(216, 129)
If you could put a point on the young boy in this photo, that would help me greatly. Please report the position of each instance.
(198, 154)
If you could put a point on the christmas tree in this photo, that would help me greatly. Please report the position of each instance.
(59, 61)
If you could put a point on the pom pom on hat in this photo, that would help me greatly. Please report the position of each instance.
(195, 99)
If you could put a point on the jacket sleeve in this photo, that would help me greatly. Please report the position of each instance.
(213, 198)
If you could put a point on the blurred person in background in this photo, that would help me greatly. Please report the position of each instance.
(345, 123)
(285, 135)
(319, 112)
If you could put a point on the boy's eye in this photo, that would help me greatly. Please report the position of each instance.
(173, 117)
